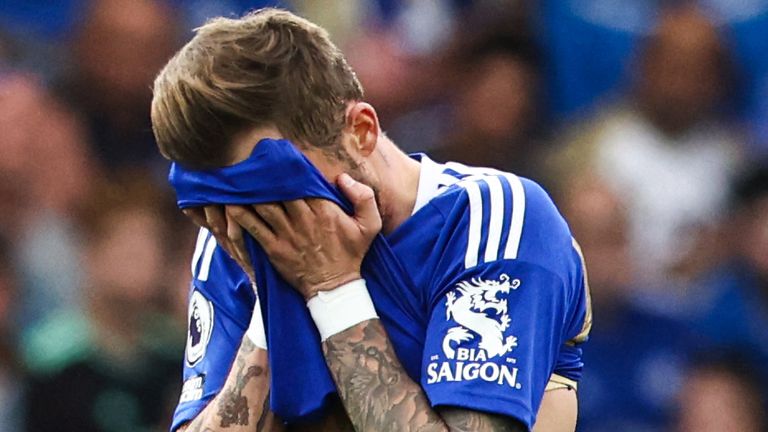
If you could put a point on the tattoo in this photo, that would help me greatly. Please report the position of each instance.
(462, 420)
(233, 408)
(247, 346)
(379, 396)
(374, 387)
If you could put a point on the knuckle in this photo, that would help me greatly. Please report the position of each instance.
(371, 230)
(367, 194)
(276, 251)
(324, 213)
(235, 211)
(211, 211)
(236, 236)
(252, 228)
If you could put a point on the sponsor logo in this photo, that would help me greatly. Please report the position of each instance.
(483, 322)
(192, 389)
(200, 319)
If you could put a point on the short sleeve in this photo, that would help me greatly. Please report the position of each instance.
(494, 337)
(577, 327)
(220, 304)
(505, 300)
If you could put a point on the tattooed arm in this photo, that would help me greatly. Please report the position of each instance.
(379, 396)
(243, 403)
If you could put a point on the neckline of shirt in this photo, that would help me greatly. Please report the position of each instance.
(429, 181)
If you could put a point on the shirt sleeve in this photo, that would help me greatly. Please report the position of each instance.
(493, 339)
(505, 303)
(578, 324)
(220, 303)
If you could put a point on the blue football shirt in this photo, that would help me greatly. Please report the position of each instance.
(500, 303)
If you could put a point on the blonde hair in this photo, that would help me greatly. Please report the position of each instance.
(269, 67)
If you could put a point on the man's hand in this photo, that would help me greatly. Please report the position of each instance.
(228, 233)
(312, 243)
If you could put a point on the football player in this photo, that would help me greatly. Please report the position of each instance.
(501, 297)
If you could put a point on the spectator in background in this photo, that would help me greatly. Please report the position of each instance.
(113, 368)
(10, 369)
(721, 395)
(406, 36)
(45, 173)
(117, 50)
(495, 104)
(666, 151)
(421, 54)
(197, 12)
(760, 121)
(636, 358)
(733, 299)
(588, 44)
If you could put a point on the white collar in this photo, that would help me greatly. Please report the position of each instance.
(429, 181)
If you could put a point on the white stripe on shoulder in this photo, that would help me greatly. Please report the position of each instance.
(447, 180)
(199, 247)
(475, 223)
(463, 169)
(518, 217)
(205, 265)
(497, 218)
(497, 208)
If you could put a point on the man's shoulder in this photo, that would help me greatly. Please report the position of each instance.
(459, 183)
(496, 215)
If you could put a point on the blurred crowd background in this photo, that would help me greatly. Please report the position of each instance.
(647, 121)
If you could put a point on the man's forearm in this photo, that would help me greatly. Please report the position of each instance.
(243, 403)
(378, 394)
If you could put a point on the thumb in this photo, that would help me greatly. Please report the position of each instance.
(364, 202)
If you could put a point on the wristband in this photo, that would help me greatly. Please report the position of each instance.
(341, 308)
(255, 331)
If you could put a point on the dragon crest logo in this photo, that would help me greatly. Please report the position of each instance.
(480, 313)
(479, 308)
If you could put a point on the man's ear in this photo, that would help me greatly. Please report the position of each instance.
(363, 124)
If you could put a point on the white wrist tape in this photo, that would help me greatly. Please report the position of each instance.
(255, 331)
(341, 308)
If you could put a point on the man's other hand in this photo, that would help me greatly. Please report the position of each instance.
(227, 232)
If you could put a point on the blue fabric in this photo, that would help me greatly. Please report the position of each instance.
(277, 171)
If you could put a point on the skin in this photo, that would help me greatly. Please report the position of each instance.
(317, 247)
(242, 403)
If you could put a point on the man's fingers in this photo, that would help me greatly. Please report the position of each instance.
(298, 210)
(252, 223)
(197, 215)
(214, 217)
(274, 215)
(217, 224)
(363, 200)
(235, 235)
